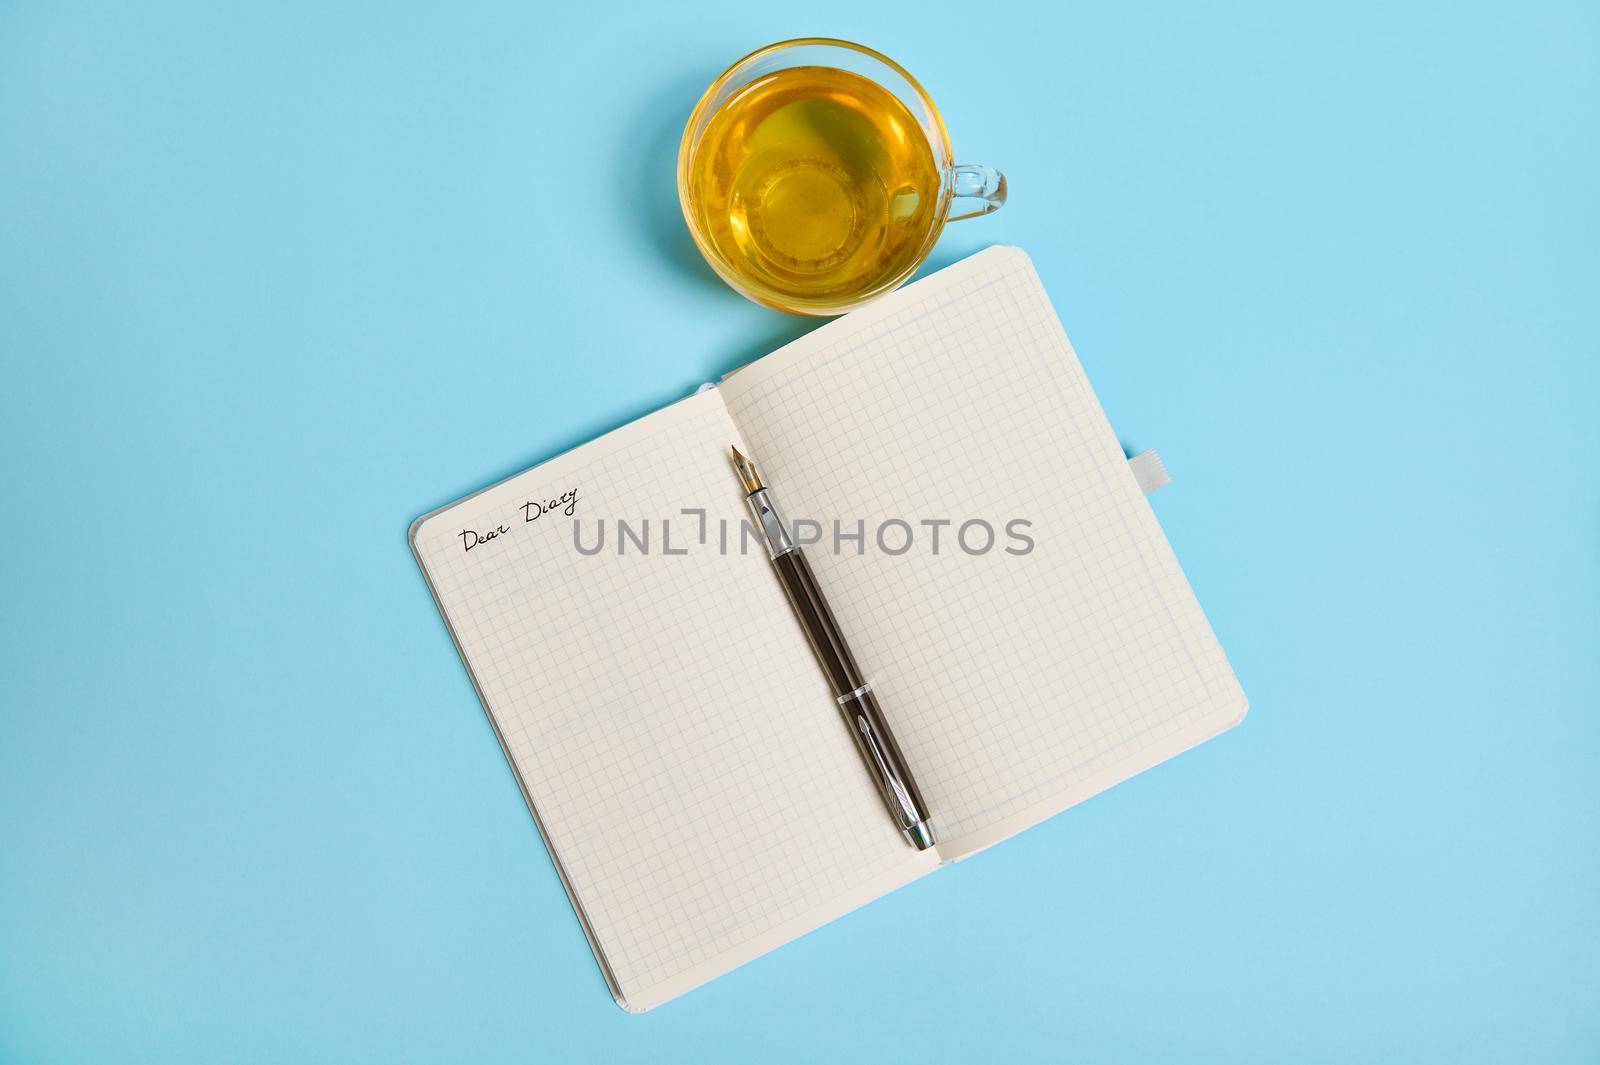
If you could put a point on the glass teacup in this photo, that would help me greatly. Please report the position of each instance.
(816, 175)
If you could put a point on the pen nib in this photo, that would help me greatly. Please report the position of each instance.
(746, 469)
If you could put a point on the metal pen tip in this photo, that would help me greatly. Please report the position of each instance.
(749, 476)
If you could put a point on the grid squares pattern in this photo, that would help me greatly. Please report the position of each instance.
(1007, 678)
(662, 711)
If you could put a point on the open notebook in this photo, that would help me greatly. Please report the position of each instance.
(675, 739)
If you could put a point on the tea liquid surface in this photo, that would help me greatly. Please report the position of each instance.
(815, 182)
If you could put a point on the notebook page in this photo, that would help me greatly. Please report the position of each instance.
(661, 710)
(1017, 683)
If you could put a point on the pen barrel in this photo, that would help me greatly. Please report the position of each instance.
(871, 732)
(816, 617)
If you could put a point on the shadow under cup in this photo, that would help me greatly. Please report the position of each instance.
(785, 286)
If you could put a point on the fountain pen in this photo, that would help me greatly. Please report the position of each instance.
(850, 689)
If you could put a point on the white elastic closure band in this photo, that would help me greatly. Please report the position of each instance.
(1149, 471)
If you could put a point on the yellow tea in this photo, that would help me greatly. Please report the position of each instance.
(814, 183)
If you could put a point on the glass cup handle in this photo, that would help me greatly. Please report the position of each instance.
(976, 182)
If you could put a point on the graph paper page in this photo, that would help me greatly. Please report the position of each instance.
(1017, 683)
(662, 711)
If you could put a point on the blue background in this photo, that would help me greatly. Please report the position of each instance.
(276, 279)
